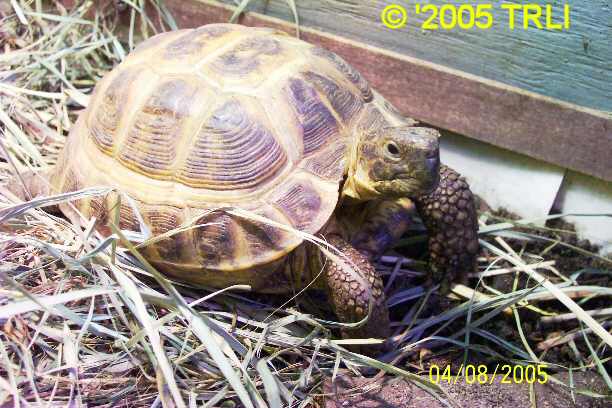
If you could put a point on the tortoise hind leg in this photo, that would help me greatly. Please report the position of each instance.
(351, 291)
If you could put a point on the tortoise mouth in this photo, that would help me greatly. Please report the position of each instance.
(421, 179)
(408, 186)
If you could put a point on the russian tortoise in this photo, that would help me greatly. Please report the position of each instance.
(223, 124)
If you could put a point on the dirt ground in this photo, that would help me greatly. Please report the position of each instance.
(395, 393)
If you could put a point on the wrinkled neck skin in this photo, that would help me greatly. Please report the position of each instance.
(356, 188)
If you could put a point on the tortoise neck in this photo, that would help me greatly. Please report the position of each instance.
(355, 187)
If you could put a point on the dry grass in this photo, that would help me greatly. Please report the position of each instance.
(87, 321)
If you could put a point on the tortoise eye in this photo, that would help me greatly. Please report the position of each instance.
(392, 150)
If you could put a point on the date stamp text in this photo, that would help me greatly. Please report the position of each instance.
(482, 374)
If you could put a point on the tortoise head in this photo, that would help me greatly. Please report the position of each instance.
(391, 162)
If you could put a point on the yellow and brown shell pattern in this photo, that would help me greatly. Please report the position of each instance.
(223, 116)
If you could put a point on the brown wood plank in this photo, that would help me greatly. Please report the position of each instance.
(564, 134)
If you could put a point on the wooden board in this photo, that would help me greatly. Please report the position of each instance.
(557, 132)
(574, 65)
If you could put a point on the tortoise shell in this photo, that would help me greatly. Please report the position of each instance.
(224, 116)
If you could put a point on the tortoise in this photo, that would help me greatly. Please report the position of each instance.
(258, 138)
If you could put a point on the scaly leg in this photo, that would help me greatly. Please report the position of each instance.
(351, 291)
(384, 223)
(449, 213)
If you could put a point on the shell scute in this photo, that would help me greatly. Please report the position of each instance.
(195, 41)
(216, 240)
(104, 118)
(128, 220)
(316, 123)
(350, 73)
(229, 242)
(152, 140)
(233, 150)
(99, 209)
(179, 51)
(249, 62)
(146, 49)
(301, 203)
(161, 220)
(344, 102)
(328, 163)
(262, 237)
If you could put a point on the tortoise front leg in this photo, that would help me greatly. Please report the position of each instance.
(383, 224)
(449, 213)
(351, 291)
(450, 217)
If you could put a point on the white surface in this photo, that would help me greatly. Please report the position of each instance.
(529, 187)
(587, 195)
(521, 185)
